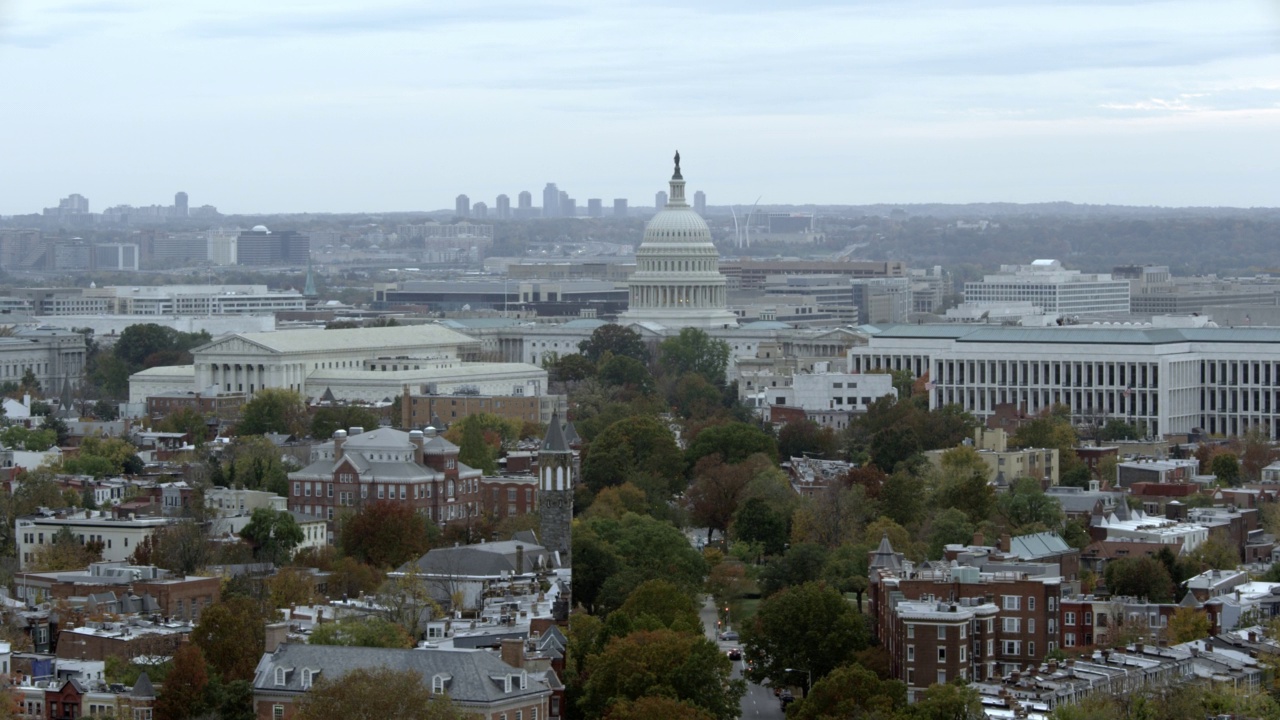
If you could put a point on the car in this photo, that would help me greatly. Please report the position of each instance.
(786, 699)
(729, 636)
(735, 654)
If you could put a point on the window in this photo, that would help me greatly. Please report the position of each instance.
(277, 712)
(942, 677)
(404, 491)
(364, 492)
(1010, 624)
(306, 489)
(1031, 625)
(306, 679)
(1031, 603)
(1069, 619)
(297, 489)
(962, 653)
(911, 676)
(381, 490)
(942, 632)
(280, 677)
(911, 630)
(1012, 602)
(1031, 649)
(1088, 619)
(1069, 640)
(942, 654)
(1012, 647)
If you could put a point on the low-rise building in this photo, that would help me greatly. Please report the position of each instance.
(1005, 465)
(119, 536)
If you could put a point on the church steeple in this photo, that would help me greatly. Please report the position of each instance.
(557, 475)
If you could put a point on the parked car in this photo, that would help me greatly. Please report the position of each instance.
(786, 698)
(729, 636)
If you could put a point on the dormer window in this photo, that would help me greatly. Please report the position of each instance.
(437, 685)
(308, 675)
(524, 680)
(281, 677)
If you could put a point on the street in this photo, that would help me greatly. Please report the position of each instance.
(758, 703)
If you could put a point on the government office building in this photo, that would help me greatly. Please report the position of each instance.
(1165, 380)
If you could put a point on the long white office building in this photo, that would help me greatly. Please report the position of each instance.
(1165, 380)
(1053, 288)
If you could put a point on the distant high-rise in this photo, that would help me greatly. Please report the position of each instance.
(261, 247)
(700, 203)
(595, 207)
(551, 201)
(504, 207)
(526, 201)
(619, 207)
(180, 204)
(462, 206)
(568, 206)
(74, 204)
(480, 211)
(660, 199)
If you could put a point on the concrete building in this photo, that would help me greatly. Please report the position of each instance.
(503, 207)
(55, 357)
(462, 206)
(115, 256)
(882, 300)
(660, 200)
(550, 201)
(1047, 284)
(445, 410)
(1164, 380)
(832, 399)
(261, 247)
(119, 537)
(700, 203)
(619, 207)
(677, 282)
(1005, 465)
(753, 274)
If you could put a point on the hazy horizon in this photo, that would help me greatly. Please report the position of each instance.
(399, 107)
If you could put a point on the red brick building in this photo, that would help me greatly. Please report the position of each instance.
(509, 495)
(418, 468)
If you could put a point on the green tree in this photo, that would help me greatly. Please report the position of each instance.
(758, 522)
(682, 666)
(802, 563)
(573, 368)
(1116, 429)
(1226, 467)
(613, 340)
(1052, 429)
(273, 533)
(1188, 624)
(953, 701)
(375, 694)
(622, 554)
(386, 534)
(106, 411)
(186, 420)
(656, 604)
(232, 633)
(627, 373)
(656, 707)
(949, 527)
(1139, 577)
(473, 450)
(363, 632)
(809, 626)
(255, 463)
(65, 552)
(638, 443)
(695, 351)
(273, 410)
(341, 417)
(183, 693)
(806, 437)
(850, 691)
(1027, 507)
(733, 442)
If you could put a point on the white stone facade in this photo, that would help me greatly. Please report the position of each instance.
(119, 537)
(1046, 284)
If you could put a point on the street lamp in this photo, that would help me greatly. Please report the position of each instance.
(808, 678)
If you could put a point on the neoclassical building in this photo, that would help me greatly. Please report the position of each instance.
(677, 282)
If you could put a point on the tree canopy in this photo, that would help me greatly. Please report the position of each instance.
(694, 351)
(274, 410)
(614, 339)
(375, 694)
(635, 444)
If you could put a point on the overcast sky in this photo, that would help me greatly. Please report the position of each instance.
(374, 106)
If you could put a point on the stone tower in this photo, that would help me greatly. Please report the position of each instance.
(556, 478)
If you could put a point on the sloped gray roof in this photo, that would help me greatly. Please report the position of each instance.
(143, 687)
(885, 558)
(1045, 544)
(471, 676)
(554, 441)
(483, 560)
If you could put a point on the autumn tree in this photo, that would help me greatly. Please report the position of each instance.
(186, 420)
(1188, 624)
(363, 632)
(182, 548)
(682, 666)
(473, 450)
(656, 707)
(716, 491)
(273, 410)
(254, 462)
(386, 534)
(232, 633)
(290, 587)
(65, 552)
(808, 626)
(375, 694)
(182, 695)
(342, 417)
(1143, 577)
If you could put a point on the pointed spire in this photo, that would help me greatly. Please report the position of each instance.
(554, 441)
(310, 289)
(885, 558)
(143, 688)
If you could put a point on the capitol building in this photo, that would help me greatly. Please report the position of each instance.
(677, 282)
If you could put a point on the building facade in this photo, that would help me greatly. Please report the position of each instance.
(1048, 285)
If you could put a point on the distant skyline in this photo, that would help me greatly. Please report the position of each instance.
(399, 106)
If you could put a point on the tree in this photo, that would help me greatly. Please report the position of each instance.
(953, 701)
(386, 534)
(573, 368)
(694, 397)
(375, 694)
(617, 556)
(186, 420)
(1226, 467)
(1052, 429)
(964, 485)
(850, 691)
(273, 533)
(1188, 624)
(614, 502)
(635, 443)
(733, 442)
(951, 526)
(1139, 577)
(232, 633)
(255, 463)
(181, 548)
(341, 417)
(1116, 429)
(361, 631)
(183, 693)
(806, 437)
(802, 563)
(658, 604)
(758, 522)
(1213, 554)
(716, 491)
(614, 340)
(808, 626)
(695, 351)
(473, 451)
(106, 411)
(627, 373)
(682, 666)
(65, 552)
(273, 410)
(1027, 507)
(290, 587)
(655, 707)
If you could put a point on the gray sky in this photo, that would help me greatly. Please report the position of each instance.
(332, 107)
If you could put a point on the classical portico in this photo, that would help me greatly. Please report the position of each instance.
(677, 282)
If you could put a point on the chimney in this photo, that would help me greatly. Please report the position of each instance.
(339, 438)
(1005, 542)
(406, 407)
(513, 652)
(276, 633)
(415, 437)
(979, 539)
(519, 559)
(355, 431)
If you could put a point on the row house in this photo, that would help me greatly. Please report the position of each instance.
(417, 468)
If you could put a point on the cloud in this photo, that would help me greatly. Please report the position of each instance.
(388, 19)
